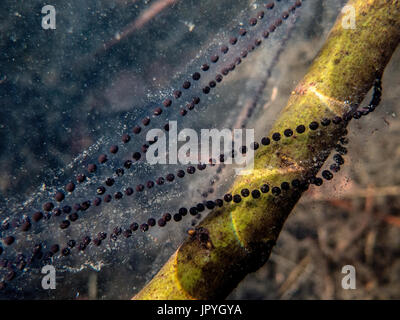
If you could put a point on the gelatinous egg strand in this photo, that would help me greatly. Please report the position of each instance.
(265, 141)
(254, 104)
(27, 222)
(298, 185)
(60, 196)
(177, 94)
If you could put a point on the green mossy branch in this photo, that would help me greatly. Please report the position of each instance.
(242, 235)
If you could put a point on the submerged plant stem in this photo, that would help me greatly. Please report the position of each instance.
(241, 236)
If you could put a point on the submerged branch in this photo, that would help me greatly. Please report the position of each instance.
(240, 236)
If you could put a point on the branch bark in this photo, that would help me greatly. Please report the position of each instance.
(242, 235)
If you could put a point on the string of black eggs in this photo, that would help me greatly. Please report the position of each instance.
(137, 129)
(276, 191)
(285, 186)
(265, 141)
(72, 211)
(49, 208)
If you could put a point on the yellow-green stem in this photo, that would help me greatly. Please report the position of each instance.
(242, 235)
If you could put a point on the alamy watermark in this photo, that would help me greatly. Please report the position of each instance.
(49, 280)
(49, 20)
(349, 280)
(213, 146)
(349, 18)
